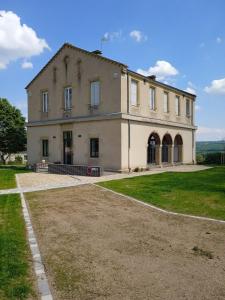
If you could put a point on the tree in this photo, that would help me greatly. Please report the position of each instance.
(12, 130)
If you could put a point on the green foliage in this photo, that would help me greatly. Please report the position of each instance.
(12, 130)
(199, 193)
(15, 281)
(18, 159)
(213, 158)
(200, 158)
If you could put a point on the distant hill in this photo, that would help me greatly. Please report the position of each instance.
(210, 147)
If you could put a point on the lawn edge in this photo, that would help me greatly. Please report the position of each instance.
(39, 270)
(158, 208)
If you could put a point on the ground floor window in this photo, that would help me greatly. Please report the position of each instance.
(94, 147)
(45, 148)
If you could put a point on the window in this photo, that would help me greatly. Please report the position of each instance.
(68, 98)
(134, 92)
(44, 101)
(152, 98)
(95, 93)
(94, 147)
(177, 105)
(188, 108)
(44, 148)
(166, 102)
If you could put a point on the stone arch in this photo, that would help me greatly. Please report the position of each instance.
(153, 155)
(178, 149)
(167, 148)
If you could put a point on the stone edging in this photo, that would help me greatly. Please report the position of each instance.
(160, 209)
(42, 281)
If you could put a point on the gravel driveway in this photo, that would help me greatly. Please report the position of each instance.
(98, 245)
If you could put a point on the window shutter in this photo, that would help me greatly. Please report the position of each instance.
(133, 92)
(95, 93)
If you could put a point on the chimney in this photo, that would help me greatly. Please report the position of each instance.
(153, 77)
(98, 52)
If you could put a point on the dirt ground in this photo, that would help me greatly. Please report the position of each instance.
(98, 245)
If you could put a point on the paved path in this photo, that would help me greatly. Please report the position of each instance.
(30, 182)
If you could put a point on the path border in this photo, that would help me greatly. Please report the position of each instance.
(160, 209)
(42, 281)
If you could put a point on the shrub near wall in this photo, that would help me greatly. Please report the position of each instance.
(209, 158)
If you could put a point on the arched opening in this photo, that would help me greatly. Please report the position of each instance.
(166, 148)
(178, 149)
(153, 149)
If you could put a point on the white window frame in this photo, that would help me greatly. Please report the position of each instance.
(68, 94)
(95, 93)
(152, 102)
(177, 105)
(45, 101)
(165, 102)
(134, 93)
(188, 108)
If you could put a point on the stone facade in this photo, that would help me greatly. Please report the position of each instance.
(125, 134)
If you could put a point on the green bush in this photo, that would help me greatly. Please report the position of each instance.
(209, 158)
(200, 158)
(18, 159)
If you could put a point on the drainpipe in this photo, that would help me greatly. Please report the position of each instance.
(128, 121)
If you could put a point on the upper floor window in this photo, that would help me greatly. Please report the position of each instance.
(94, 147)
(134, 92)
(68, 98)
(45, 101)
(165, 102)
(95, 93)
(45, 148)
(188, 108)
(177, 105)
(152, 98)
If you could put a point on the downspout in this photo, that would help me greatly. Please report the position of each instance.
(128, 121)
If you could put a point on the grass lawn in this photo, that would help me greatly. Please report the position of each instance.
(198, 193)
(7, 176)
(15, 276)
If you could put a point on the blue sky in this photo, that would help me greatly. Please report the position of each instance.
(183, 42)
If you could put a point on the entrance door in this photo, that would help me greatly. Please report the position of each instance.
(67, 148)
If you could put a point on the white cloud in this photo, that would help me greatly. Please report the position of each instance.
(197, 107)
(191, 88)
(138, 36)
(111, 36)
(27, 65)
(217, 86)
(162, 69)
(17, 40)
(218, 40)
(210, 134)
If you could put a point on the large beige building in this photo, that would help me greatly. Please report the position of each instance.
(85, 109)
